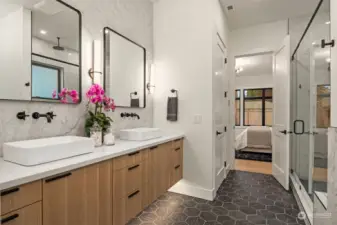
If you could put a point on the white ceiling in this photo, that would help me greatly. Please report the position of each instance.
(51, 16)
(252, 12)
(255, 65)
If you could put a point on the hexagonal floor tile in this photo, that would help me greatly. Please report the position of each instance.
(195, 221)
(208, 216)
(192, 211)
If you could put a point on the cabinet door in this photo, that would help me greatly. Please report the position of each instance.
(79, 197)
(30, 215)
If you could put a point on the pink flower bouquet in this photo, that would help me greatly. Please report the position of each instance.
(96, 96)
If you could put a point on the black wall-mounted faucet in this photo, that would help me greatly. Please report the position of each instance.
(49, 116)
(22, 115)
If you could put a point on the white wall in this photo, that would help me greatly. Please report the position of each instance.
(257, 39)
(134, 20)
(183, 53)
(15, 55)
(263, 81)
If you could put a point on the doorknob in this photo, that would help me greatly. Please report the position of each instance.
(218, 133)
(286, 132)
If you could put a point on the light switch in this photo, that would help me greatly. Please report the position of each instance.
(197, 119)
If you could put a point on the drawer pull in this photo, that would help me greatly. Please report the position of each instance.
(154, 147)
(134, 153)
(10, 191)
(134, 167)
(177, 149)
(10, 218)
(133, 194)
(177, 167)
(58, 177)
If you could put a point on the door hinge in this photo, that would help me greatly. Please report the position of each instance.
(225, 129)
(291, 171)
(332, 43)
(225, 163)
(225, 60)
(225, 94)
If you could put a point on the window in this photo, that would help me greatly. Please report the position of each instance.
(258, 107)
(45, 79)
(323, 106)
(237, 107)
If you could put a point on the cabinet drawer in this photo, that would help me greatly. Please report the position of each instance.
(176, 174)
(128, 179)
(177, 143)
(129, 160)
(133, 204)
(30, 215)
(18, 197)
(176, 156)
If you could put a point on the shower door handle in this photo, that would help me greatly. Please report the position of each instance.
(302, 127)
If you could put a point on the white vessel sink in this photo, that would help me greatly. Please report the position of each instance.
(35, 152)
(140, 134)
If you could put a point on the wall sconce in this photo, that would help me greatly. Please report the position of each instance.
(92, 73)
(97, 64)
(150, 85)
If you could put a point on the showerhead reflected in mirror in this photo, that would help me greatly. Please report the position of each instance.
(44, 38)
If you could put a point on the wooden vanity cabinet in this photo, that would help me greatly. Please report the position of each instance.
(176, 161)
(29, 215)
(19, 197)
(83, 196)
(129, 186)
(107, 193)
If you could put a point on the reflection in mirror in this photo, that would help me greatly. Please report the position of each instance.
(45, 38)
(125, 70)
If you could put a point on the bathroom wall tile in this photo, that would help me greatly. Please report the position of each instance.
(132, 18)
(332, 174)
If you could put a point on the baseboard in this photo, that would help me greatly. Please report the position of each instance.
(185, 187)
(301, 204)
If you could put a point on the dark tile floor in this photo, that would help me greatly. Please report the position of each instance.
(243, 199)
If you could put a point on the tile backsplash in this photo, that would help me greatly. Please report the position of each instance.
(132, 18)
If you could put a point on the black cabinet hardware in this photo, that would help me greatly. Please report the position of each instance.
(133, 194)
(177, 167)
(154, 147)
(134, 153)
(134, 167)
(177, 149)
(218, 133)
(10, 191)
(58, 177)
(27, 84)
(10, 218)
(324, 43)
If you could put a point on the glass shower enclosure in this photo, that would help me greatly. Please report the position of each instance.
(310, 102)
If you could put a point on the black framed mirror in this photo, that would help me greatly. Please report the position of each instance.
(124, 70)
(41, 51)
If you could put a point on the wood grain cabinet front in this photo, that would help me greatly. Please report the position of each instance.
(82, 196)
(18, 197)
(29, 215)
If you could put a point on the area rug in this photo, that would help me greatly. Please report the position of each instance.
(263, 157)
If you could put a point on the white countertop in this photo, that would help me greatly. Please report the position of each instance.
(12, 175)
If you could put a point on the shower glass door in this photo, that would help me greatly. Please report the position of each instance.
(311, 106)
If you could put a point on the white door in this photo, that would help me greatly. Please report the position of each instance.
(281, 111)
(220, 110)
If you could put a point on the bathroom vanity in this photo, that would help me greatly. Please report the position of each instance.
(110, 186)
